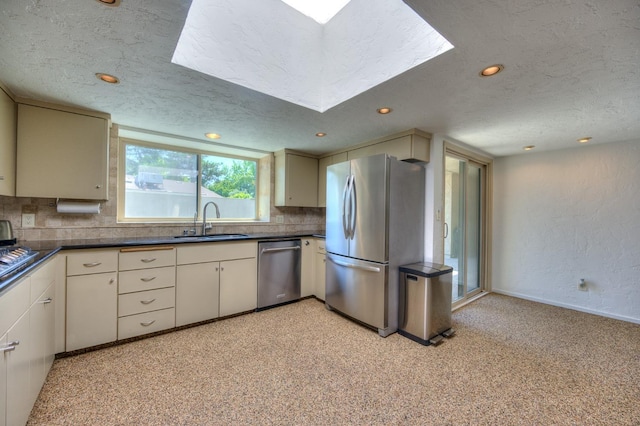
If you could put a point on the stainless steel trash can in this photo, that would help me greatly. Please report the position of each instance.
(425, 302)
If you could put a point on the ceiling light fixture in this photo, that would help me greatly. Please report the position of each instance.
(491, 70)
(321, 134)
(112, 3)
(585, 139)
(528, 147)
(212, 135)
(384, 110)
(108, 78)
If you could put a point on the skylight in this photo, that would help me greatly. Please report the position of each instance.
(320, 11)
(267, 46)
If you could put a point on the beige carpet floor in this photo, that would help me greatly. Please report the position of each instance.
(512, 362)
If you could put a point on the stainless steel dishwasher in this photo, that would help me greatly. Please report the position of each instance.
(278, 272)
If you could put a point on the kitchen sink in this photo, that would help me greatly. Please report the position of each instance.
(211, 236)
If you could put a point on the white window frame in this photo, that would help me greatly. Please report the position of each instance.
(260, 209)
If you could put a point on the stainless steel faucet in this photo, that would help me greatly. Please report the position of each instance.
(204, 216)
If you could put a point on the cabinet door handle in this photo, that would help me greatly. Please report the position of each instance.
(147, 324)
(146, 280)
(14, 343)
(47, 300)
(7, 349)
(148, 260)
(146, 302)
(111, 281)
(92, 264)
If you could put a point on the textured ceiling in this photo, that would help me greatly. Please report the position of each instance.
(571, 70)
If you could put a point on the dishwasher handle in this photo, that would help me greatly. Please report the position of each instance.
(268, 250)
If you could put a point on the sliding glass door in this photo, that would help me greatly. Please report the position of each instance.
(464, 224)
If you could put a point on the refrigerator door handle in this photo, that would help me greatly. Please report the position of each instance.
(352, 266)
(345, 196)
(354, 208)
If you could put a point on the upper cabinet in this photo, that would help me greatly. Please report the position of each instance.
(296, 179)
(412, 145)
(323, 163)
(62, 154)
(7, 145)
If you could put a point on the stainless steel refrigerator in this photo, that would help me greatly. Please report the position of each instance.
(374, 223)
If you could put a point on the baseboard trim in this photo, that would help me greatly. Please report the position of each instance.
(567, 306)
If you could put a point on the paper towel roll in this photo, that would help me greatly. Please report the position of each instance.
(78, 207)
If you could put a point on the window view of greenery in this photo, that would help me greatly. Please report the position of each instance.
(163, 184)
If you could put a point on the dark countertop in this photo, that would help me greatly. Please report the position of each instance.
(48, 248)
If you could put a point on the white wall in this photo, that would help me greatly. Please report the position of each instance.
(564, 215)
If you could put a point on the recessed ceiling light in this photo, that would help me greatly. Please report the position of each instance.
(528, 147)
(384, 110)
(321, 134)
(108, 78)
(491, 70)
(112, 3)
(212, 135)
(585, 140)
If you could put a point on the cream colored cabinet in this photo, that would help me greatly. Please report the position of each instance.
(18, 362)
(320, 269)
(307, 275)
(216, 279)
(61, 154)
(197, 292)
(296, 179)
(7, 145)
(42, 337)
(14, 354)
(412, 146)
(27, 343)
(42, 325)
(323, 163)
(238, 286)
(146, 290)
(92, 298)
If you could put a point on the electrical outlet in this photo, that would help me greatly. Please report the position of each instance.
(28, 220)
(279, 218)
(582, 285)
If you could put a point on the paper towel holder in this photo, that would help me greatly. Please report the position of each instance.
(77, 206)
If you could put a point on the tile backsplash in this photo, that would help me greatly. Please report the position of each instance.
(51, 225)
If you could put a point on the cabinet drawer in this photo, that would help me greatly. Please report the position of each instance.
(92, 262)
(200, 253)
(149, 322)
(153, 258)
(147, 279)
(145, 301)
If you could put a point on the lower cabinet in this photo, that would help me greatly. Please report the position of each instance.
(238, 286)
(42, 338)
(92, 310)
(27, 343)
(307, 278)
(320, 269)
(92, 298)
(214, 280)
(18, 402)
(197, 292)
